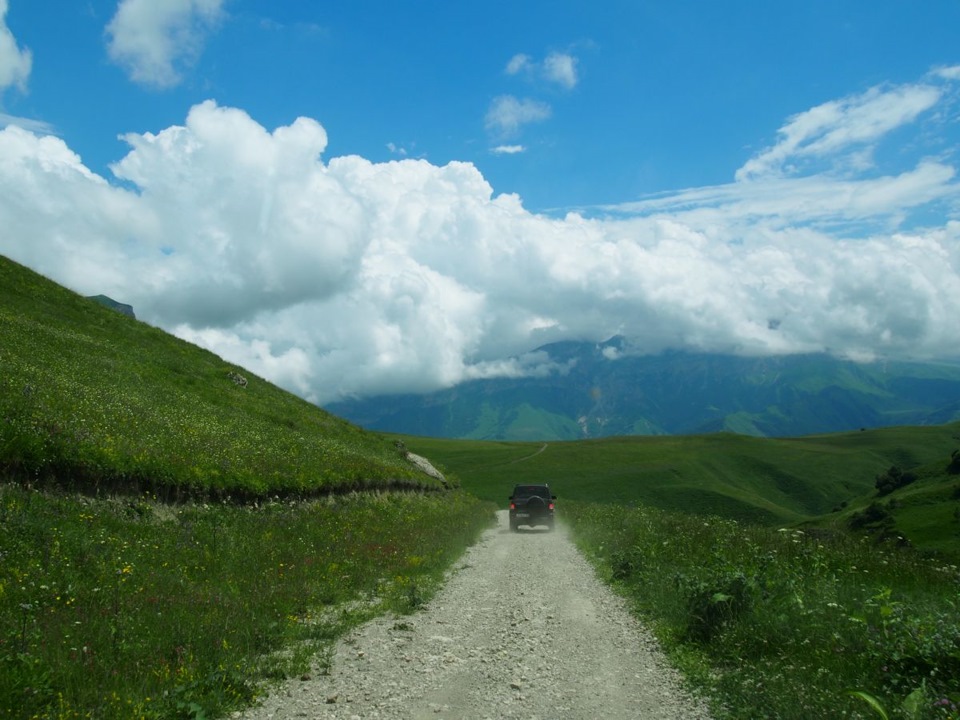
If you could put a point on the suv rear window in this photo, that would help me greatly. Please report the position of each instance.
(524, 491)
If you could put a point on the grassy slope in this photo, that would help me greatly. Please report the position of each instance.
(927, 512)
(90, 395)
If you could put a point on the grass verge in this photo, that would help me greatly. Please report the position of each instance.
(130, 607)
(782, 624)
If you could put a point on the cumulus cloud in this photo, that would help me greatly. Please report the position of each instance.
(264, 217)
(508, 149)
(154, 41)
(341, 276)
(507, 114)
(15, 63)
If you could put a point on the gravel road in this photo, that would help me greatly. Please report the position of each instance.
(522, 629)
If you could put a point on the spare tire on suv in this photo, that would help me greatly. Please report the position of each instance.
(531, 505)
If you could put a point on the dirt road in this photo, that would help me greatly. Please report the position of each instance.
(522, 629)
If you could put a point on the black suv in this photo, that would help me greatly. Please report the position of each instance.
(531, 505)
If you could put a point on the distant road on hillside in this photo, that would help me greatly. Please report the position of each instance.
(531, 455)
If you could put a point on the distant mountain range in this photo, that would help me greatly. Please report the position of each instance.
(607, 392)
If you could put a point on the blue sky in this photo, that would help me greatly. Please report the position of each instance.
(364, 197)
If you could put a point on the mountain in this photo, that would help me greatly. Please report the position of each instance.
(606, 391)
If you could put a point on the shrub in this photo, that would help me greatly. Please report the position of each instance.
(893, 479)
(954, 466)
(874, 515)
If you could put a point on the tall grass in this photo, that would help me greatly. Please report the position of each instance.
(134, 608)
(783, 624)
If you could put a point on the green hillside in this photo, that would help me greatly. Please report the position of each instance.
(762, 480)
(926, 511)
(94, 399)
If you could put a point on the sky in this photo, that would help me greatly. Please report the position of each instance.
(370, 197)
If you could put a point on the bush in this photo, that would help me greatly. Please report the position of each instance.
(954, 467)
(874, 515)
(893, 479)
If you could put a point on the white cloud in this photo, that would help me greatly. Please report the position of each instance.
(264, 217)
(558, 68)
(833, 127)
(561, 68)
(519, 63)
(153, 41)
(948, 73)
(816, 199)
(343, 276)
(508, 149)
(15, 63)
(507, 114)
(35, 126)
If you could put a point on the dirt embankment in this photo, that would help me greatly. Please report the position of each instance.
(522, 629)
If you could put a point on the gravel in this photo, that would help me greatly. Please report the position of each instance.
(522, 629)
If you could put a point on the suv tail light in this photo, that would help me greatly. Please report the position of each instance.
(551, 506)
(513, 506)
